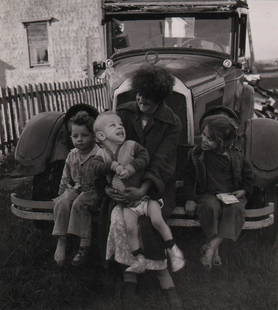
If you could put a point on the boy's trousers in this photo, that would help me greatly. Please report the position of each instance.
(72, 214)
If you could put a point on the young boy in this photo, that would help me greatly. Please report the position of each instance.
(129, 160)
(77, 192)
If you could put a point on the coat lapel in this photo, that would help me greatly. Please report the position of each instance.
(138, 129)
(149, 125)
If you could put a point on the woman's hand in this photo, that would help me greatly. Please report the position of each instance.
(239, 193)
(115, 194)
(134, 193)
(190, 207)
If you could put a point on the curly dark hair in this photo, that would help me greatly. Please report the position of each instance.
(82, 118)
(222, 131)
(153, 82)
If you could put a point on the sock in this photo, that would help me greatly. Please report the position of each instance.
(169, 243)
(137, 252)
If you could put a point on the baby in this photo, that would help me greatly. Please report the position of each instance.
(129, 161)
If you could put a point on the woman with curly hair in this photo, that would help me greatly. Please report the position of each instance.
(150, 122)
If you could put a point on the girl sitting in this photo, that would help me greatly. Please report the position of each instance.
(217, 167)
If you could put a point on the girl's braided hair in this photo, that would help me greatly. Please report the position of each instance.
(153, 82)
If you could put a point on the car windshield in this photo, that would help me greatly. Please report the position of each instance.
(208, 33)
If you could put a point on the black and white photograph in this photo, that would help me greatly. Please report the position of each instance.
(138, 155)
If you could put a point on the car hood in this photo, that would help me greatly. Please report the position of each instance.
(194, 70)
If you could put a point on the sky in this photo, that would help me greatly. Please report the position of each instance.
(264, 27)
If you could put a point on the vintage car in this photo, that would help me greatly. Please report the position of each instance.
(202, 44)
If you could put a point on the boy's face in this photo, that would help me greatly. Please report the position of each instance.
(113, 129)
(146, 105)
(82, 138)
(207, 142)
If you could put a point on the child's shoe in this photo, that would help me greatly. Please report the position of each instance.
(80, 257)
(176, 257)
(173, 299)
(139, 266)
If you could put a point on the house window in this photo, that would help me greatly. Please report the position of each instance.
(37, 36)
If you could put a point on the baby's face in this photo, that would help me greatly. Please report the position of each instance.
(113, 129)
(207, 142)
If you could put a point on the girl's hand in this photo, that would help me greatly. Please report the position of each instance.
(190, 207)
(239, 193)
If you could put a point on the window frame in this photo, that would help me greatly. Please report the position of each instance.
(47, 22)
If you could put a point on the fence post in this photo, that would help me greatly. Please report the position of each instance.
(22, 114)
(32, 95)
(19, 104)
(57, 101)
(28, 103)
(12, 117)
(41, 107)
(2, 125)
(46, 97)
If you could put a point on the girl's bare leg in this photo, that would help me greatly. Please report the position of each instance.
(60, 252)
(211, 255)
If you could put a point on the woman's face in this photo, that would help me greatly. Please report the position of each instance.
(146, 105)
(207, 142)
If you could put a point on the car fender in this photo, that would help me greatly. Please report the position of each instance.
(261, 149)
(42, 141)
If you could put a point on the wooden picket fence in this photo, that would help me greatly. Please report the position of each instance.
(19, 104)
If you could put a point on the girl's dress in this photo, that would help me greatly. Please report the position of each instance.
(117, 244)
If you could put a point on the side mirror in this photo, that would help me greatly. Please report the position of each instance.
(98, 67)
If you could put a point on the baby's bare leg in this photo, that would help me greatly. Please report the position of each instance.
(154, 212)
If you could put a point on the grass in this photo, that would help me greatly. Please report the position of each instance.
(248, 279)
